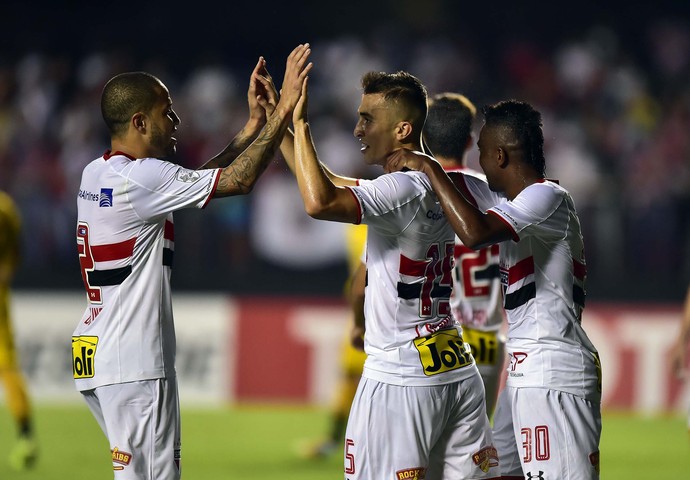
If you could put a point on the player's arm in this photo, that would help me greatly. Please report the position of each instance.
(256, 121)
(268, 99)
(358, 282)
(240, 176)
(475, 228)
(287, 148)
(322, 198)
(680, 350)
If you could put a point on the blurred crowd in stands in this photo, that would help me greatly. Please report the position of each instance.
(616, 124)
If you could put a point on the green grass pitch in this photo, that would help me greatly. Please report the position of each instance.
(264, 442)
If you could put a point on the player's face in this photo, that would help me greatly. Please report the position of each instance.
(376, 128)
(164, 122)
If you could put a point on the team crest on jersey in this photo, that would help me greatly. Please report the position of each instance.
(486, 458)
(106, 197)
(187, 176)
(120, 459)
(417, 473)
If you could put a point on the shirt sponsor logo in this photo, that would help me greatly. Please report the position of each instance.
(443, 351)
(88, 196)
(486, 458)
(106, 199)
(416, 473)
(83, 354)
(187, 176)
(120, 459)
(438, 215)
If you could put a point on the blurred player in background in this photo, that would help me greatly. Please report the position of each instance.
(124, 345)
(352, 354)
(25, 452)
(679, 355)
(477, 299)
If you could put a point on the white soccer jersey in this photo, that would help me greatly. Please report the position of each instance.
(412, 338)
(543, 277)
(125, 239)
(476, 300)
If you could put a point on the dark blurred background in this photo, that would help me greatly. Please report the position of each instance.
(610, 78)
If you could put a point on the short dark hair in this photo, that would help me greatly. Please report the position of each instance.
(449, 124)
(399, 87)
(124, 95)
(525, 123)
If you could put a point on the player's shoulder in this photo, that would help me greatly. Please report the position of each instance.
(546, 190)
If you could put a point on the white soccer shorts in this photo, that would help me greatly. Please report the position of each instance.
(142, 422)
(406, 433)
(547, 434)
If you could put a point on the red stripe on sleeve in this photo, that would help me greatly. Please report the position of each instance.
(169, 231)
(213, 189)
(113, 251)
(520, 270)
(359, 206)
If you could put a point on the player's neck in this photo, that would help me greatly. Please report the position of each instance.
(449, 163)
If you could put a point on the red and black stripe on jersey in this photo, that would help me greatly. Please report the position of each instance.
(525, 268)
(120, 251)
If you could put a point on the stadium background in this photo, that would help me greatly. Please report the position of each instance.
(610, 78)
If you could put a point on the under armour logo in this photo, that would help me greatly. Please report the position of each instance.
(530, 475)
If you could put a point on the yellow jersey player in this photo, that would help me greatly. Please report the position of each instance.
(352, 358)
(25, 452)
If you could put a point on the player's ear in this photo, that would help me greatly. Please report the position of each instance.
(501, 157)
(403, 130)
(138, 121)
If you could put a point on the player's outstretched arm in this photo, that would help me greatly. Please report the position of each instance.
(287, 146)
(475, 228)
(322, 198)
(255, 122)
(240, 176)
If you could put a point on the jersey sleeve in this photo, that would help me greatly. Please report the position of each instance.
(381, 200)
(476, 190)
(527, 213)
(158, 187)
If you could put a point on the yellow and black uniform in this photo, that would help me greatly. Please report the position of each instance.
(351, 359)
(24, 453)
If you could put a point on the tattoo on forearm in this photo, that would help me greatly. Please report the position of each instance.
(249, 165)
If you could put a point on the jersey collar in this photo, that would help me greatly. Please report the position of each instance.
(108, 154)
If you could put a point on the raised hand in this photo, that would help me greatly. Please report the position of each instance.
(265, 92)
(296, 71)
(301, 110)
(256, 91)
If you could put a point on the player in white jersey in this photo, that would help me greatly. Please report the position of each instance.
(419, 409)
(476, 300)
(124, 346)
(548, 421)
